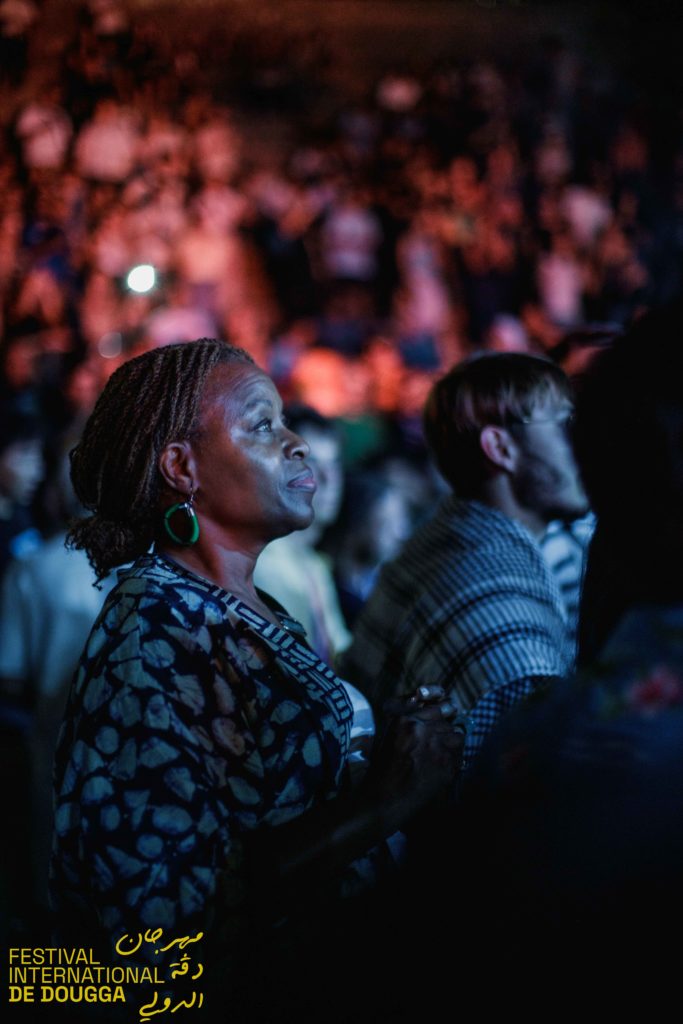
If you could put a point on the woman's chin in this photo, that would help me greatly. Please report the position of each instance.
(300, 520)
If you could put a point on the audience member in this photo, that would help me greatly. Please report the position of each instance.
(48, 604)
(576, 837)
(469, 603)
(374, 521)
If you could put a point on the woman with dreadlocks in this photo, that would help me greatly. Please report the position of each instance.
(202, 764)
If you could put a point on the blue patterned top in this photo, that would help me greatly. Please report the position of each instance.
(192, 721)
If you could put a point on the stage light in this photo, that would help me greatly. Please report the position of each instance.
(142, 278)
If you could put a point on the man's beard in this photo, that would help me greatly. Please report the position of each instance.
(550, 491)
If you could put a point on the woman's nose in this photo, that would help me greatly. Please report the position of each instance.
(295, 445)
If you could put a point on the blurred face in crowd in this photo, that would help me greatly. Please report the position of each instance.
(21, 470)
(324, 458)
(388, 525)
(547, 480)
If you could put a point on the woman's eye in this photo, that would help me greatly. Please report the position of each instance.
(265, 425)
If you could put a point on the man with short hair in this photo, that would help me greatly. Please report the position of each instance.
(470, 603)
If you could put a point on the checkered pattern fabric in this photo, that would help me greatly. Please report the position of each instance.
(564, 547)
(469, 604)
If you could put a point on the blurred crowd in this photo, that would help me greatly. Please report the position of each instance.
(384, 234)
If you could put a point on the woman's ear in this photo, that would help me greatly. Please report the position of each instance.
(177, 467)
(499, 448)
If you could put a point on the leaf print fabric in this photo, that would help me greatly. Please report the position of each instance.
(192, 721)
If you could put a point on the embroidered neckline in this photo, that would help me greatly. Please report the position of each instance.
(232, 600)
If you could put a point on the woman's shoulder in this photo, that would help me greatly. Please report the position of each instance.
(155, 627)
(155, 615)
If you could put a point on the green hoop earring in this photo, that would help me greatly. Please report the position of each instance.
(187, 507)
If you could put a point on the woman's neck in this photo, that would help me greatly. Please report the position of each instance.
(230, 569)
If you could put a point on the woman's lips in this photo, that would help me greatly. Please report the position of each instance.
(303, 482)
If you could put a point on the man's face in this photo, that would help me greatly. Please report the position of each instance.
(547, 480)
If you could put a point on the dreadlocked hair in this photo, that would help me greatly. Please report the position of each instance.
(147, 403)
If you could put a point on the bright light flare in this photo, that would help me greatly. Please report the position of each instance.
(142, 278)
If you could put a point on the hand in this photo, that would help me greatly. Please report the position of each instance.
(419, 755)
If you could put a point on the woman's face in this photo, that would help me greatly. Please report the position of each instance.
(252, 481)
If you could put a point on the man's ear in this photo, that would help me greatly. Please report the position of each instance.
(499, 448)
(178, 468)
